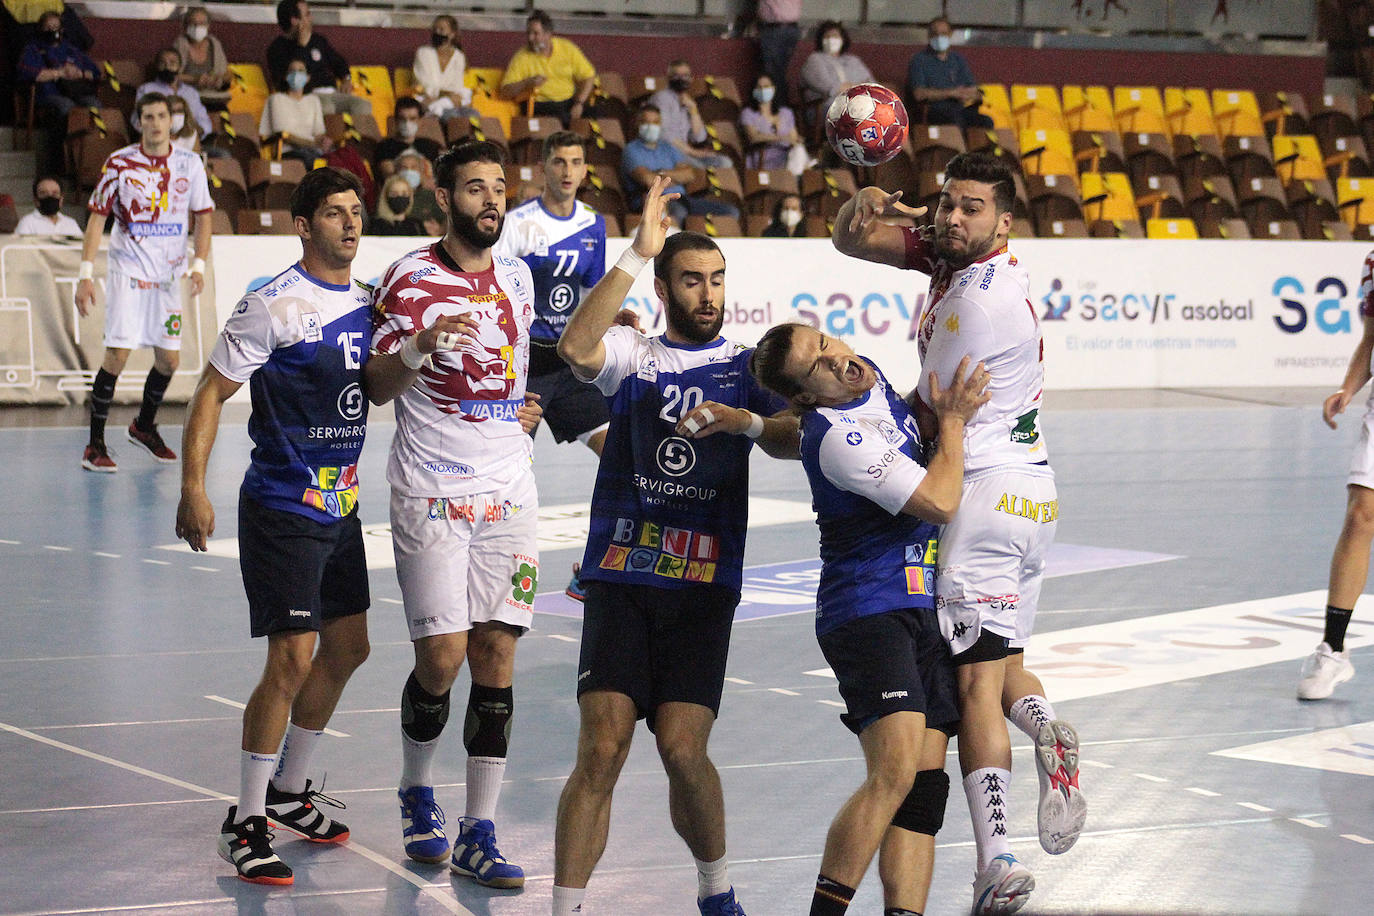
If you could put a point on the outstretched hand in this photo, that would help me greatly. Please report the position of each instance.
(872, 204)
(654, 219)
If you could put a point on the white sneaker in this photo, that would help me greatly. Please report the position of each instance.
(1002, 887)
(1063, 809)
(1322, 671)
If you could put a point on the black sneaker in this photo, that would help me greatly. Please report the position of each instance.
(248, 847)
(298, 813)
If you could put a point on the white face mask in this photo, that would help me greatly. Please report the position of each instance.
(790, 218)
(940, 43)
(178, 122)
(197, 32)
(649, 133)
(409, 129)
(833, 44)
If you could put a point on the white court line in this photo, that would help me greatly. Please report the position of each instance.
(178, 904)
(1308, 823)
(1254, 807)
(391, 601)
(1205, 793)
(205, 569)
(446, 901)
(7, 541)
(1096, 763)
(739, 680)
(831, 703)
(1356, 838)
(237, 705)
(1150, 778)
(57, 547)
(560, 637)
(157, 562)
(784, 691)
(108, 556)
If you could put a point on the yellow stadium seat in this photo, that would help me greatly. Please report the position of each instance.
(1036, 106)
(248, 90)
(484, 83)
(997, 105)
(373, 82)
(1237, 113)
(1139, 109)
(1189, 112)
(1355, 200)
(1107, 196)
(1046, 152)
(1088, 108)
(403, 81)
(1298, 158)
(1170, 229)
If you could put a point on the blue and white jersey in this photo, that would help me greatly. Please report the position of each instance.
(300, 343)
(669, 511)
(566, 256)
(862, 460)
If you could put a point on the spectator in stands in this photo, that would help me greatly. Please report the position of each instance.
(405, 136)
(18, 25)
(47, 217)
(788, 219)
(828, 70)
(940, 80)
(551, 69)
(779, 33)
(682, 124)
(393, 216)
(184, 131)
(419, 173)
(167, 81)
(328, 71)
(646, 157)
(440, 68)
(63, 76)
(770, 132)
(204, 65)
(295, 117)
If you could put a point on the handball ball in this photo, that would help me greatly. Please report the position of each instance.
(866, 124)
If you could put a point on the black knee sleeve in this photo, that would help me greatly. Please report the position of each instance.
(423, 714)
(486, 732)
(923, 809)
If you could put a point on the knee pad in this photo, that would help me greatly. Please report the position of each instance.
(486, 731)
(423, 715)
(923, 809)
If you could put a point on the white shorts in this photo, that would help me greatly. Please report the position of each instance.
(467, 560)
(142, 313)
(992, 555)
(1362, 464)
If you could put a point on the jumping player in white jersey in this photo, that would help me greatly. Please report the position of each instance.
(299, 342)
(463, 501)
(153, 189)
(1329, 664)
(992, 555)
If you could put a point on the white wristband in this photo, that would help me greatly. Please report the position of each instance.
(631, 262)
(755, 426)
(86, 271)
(198, 266)
(411, 355)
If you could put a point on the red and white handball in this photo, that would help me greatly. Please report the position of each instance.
(866, 124)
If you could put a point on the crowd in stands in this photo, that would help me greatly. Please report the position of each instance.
(1092, 161)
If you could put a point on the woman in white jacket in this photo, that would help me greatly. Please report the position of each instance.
(439, 67)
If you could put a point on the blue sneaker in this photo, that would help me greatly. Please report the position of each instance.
(421, 825)
(475, 856)
(721, 905)
(575, 591)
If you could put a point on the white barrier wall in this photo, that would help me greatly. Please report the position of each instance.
(1114, 313)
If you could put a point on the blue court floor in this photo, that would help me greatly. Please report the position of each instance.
(1188, 583)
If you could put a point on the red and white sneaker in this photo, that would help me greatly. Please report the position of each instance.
(152, 440)
(97, 458)
(1063, 810)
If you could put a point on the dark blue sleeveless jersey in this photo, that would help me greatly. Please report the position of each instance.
(566, 257)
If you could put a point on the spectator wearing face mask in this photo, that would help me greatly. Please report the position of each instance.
(771, 133)
(682, 123)
(419, 174)
(939, 80)
(204, 65)
(439, 69)
(167, 81)
(829, 70)
(328, 73)
(47, 217)
(787, 219)
(63, 76)
(647, 156)
(184, 132)
(405, 136)
(295, 116)
(394, 205)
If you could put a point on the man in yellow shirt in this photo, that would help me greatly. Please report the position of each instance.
(552, 69)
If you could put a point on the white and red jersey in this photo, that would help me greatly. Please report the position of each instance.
(457, 428)
(984, 311)
(153, 199)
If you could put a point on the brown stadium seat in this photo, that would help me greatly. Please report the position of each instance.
(602, 192)
(1021, 229)
(1282, 229)
(714, 226)
(1210, 198)
(271, 182)
(265, 222)
(824, 191)
(527, 136)
(933, 145)
(430, 129)
(1262, 200)
(1224, 229)
(1159, 197)
(228, 187)
(605, 139)
(755, 223)
(763, 188)
(718, 98)
(1116, 229)
(610, 99)
(1063, 229)
(1054, 197)
(1336, 115)
(1098, 151)
(1199, 156)
(479, 128)
(722, 185)
(1312, 205)
(1283, 113)
(221, 223)
(1345, 156)
(1148, 154)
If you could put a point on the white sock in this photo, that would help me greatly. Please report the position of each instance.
(416, 760)
(567, 901)
(1031, 712)
(484, 786)
(254, 772)
(296, 752)
(986, 793)
(712, 877)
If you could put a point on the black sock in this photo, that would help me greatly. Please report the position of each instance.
(898, 911)
(153, 390)
(102, 393)
(423, 715)
(1337, 619)
(831, 897)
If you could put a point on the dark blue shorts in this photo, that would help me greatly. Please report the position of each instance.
(572, 407)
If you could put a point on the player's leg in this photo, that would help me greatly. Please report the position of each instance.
(1329, 665)
(906, 859)
(96, 455)
(161, 309)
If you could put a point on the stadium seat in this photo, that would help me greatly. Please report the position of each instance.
(933, 145)
(1054, 197)
(1046, 152)
(481, 128)
(610, 98)
(755, 223)
(718, 98)
(602, 192)
(763, 188)
(373, 82)
(430, 129)
(1233, 228)
(1298, 158)
(1248, 157)
(270, 182)
(264, 222)
(221, 223)
(1337, 232)
(1210, 198)
(119, 81)
(1098, 151)
(85, 123)
(606, 139)
(90, 162)
(1147, 154)
(1021, 229)
(1280, 229)
(527, 136)
(1189, 112)
(236, 132)
(715, 226)
(1088, 108)
(1262, 200)
(1000, 143)
(1159, 197)
(926, 193)
(896, 174)
(639, 88)
(228, 187)
(1198, 156)
(248, 90)
(722, 185)
(1336, 116)
(1116, 229)
(403, 82)
(1355, 201)
(996, 105)
(1139, 109)
(345, 128)
(1312, 205)
(484, 83)
(1237, 113)
(613, 227)
(1062, 229)
(723, 137)
(1107, 196)
(1036, 107)
(1170, 229)
(522, 176)
(1283, 113)
(818, 227)
(824, 191)
(1345, 157)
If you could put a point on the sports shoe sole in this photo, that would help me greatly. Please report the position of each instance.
(143, 445)
(430, 860)
(501, 883)
(1347, 675)
(1007, 896)
(99, 470)
(1063, 810)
